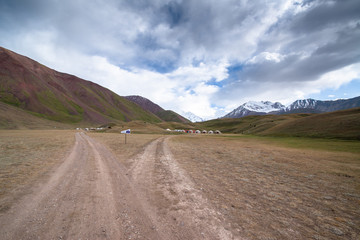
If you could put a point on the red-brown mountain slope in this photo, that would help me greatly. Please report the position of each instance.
(46, 93)
(165, 115)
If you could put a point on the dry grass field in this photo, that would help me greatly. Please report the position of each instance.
(27, 156)
(268, 188)
(272, 192)
(262, 188)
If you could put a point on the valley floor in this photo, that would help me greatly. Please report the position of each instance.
(94, 186)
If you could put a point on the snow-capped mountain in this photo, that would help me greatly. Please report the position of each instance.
(299, 106)
(302, 104)
(255, 108)
(192, 117)
(317, 106)
(262, 106)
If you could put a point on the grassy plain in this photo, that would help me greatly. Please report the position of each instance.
(325, 144)
(26, 156)
(269, 191)
(266, 187)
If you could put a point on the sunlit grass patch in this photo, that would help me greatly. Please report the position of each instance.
(325, 144)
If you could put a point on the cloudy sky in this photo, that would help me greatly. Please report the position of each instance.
(200, 56)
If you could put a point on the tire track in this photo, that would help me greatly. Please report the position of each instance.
(87, 197)
(171, 198)
(91, 195)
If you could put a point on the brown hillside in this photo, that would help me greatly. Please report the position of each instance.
(165, 115)
(57, 96)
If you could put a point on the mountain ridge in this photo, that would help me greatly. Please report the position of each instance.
(254, 108)
(299, 106)
(61, 97)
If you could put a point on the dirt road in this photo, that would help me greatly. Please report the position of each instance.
(91, 195)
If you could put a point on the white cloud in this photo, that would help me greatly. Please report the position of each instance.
(202, 73)
(337, 78)
(198, 101)
(182, 90)
(266, 56)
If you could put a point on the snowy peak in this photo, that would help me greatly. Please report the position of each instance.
(301, 104)
(192, 117)
(262, 106)
(255, 108)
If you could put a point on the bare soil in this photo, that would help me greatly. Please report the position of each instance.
(92, 195)
(270, 192)
(185, 187)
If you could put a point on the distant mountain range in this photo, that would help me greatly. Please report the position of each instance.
(48, 94)
(255, 108)
(299, 106)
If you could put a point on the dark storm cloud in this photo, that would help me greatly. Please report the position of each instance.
(325, 14)
(21, 14)
(210, 26)
(334, 55)
(125, 30)
(192, 29)
(323, 37)
(175, 13)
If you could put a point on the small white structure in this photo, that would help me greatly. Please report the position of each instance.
(127, 131)
(168, 130)
(210, 132)
(179, 130)
(197, 131)
(204, 131)
(217, 132)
